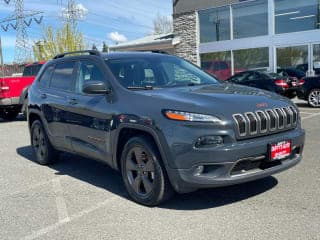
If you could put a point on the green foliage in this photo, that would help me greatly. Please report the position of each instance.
(53, 42)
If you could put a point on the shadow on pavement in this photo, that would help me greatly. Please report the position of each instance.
(100, 175)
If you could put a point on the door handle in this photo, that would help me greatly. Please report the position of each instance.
(73, 101)
(43, 96)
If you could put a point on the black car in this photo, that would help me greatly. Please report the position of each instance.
(165, 124)
(309, 90)
(268, 81)
(294, 74)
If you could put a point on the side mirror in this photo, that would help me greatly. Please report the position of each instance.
(95, 87)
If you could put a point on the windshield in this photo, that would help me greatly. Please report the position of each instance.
(157, 72)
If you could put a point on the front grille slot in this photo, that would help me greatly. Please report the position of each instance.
(270, 121)
(263, 121)
(280, 118)
(241, 123)
(273, 120)
(253, 129)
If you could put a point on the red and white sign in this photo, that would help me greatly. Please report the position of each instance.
(280, 150)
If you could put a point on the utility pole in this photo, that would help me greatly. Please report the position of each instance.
(1, 59)
(20, 21)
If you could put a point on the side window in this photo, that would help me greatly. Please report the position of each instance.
(46, 77)
(62, 76)
(88, 71)
(27, 71)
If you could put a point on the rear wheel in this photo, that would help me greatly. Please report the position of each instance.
(9, 114)
(143, 173)
(44, 151)
(314, 98)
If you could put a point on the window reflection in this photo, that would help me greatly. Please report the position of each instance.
(296, 15)
(251, 59)
(217, 64)
(215, 24)
(250, 19)
(293, 57)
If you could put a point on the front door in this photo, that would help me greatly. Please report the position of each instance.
(90, 118)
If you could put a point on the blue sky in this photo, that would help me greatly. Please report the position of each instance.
(130, 18)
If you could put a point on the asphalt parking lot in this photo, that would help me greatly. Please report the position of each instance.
(81, 199)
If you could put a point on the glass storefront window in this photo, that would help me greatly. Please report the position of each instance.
(251, 59)
(250, 19)
(218, 64)
(293, 57)
(214, 24)
(296, 15)
(316, 59)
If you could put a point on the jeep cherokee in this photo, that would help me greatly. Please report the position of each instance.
(163, 122)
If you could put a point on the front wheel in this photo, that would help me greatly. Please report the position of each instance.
(44, 151)
(314, 98)
(143, 172)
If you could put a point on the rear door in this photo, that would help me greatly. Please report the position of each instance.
(90, 116)
(56, 103)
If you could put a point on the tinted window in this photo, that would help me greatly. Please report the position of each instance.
(88, 71)
(27, 71)
(62, 76)
(46, 77)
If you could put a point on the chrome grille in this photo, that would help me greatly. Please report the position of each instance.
(252, 124)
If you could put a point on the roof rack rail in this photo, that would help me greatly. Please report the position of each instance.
(91, 52)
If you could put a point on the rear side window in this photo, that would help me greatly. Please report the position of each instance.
(31, 70)
(62, 78)
(46, 77)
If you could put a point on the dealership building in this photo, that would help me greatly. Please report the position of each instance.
(235, 35)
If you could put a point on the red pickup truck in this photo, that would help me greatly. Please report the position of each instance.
(14, 91)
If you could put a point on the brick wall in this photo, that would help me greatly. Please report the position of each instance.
(185, 26)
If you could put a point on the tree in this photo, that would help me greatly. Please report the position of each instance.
(162, 25)
(53, 42)
(105, 47)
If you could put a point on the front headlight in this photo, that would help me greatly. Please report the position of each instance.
(191, 117)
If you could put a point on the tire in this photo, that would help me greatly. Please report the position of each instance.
(143, 172)
(314, 98)
(43, 150)
(9, 114)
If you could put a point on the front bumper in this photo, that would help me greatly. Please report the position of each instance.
(6, 102)
(248, 161)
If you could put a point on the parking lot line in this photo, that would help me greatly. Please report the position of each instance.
(76, 216)
(60, 201)
(310, 116)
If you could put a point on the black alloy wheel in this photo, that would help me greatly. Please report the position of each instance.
(44, 151)
(143, 172)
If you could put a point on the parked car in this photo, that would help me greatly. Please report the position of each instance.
(268, 81)
(179, 130)
(14, 90)
(220, 69)
(309, 90)
(295, 75)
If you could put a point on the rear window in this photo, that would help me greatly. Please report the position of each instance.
(31, 70)
(62, 78)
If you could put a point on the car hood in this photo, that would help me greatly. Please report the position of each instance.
(218, 99)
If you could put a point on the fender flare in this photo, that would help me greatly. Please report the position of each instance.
(142, 128)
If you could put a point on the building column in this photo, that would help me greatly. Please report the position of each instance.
(185, 27)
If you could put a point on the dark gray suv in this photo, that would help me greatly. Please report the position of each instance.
(164, 123)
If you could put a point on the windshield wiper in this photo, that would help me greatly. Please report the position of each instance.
(140, 87)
